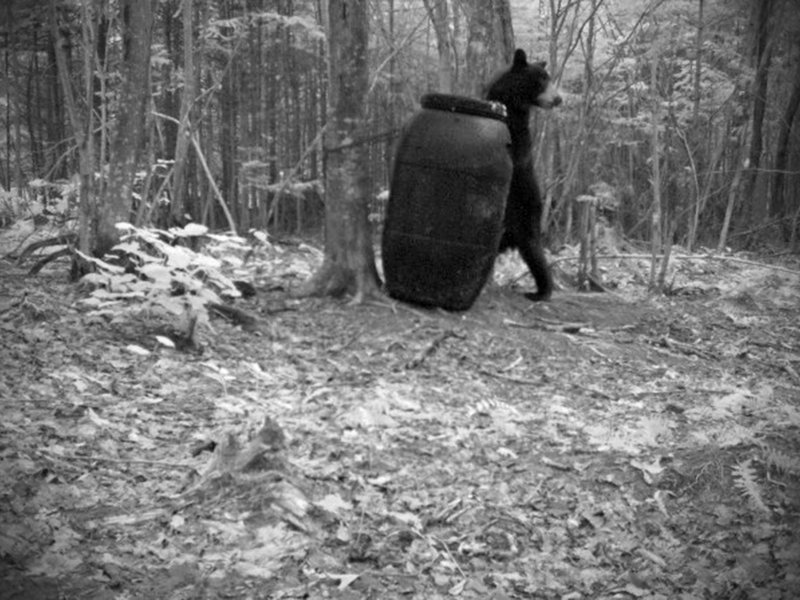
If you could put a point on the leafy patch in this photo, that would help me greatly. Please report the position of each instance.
(156, 271)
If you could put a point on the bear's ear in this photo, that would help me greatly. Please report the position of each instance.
(520, 59)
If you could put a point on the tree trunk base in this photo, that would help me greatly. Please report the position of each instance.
(337, 280)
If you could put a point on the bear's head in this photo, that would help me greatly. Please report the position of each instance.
(524, 85)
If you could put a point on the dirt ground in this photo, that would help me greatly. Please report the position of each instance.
(596, 446)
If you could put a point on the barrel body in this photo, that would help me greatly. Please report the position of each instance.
(444, 219)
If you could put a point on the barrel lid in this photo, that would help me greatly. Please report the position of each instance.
(462, 104)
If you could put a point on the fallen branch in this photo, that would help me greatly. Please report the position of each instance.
(48, 259)
(509, 378)
(429, 349)
(236, 315)
(119, 461)
(548, 325)
(65, 239)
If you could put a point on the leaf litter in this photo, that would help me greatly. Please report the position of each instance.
(598, 446)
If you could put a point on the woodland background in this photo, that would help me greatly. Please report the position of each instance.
(682, 109)
(197, 429)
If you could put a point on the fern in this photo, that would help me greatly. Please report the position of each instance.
(744, 478)
(781, 462)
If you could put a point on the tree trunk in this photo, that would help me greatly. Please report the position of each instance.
(177, 209)
(81, 125)
(698, 64)
(170, 98)
(733, 191)
(7, 181)
(490, 43)
(229, 119)
(569, 29)
(349, 263)
(437, 12)
(694, 213)
(763, 58)
(780, 205)
(655, 227)
(137, 27)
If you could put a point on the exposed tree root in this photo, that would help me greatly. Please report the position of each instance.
(337, 280)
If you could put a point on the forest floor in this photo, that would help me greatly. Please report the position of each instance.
(597, 446)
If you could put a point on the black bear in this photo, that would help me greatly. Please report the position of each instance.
(519, 88)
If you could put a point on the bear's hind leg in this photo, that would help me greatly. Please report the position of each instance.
(533, 255)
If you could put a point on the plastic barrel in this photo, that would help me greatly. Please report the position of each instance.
(444, 217)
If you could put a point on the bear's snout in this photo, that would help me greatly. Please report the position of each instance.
(550, 98)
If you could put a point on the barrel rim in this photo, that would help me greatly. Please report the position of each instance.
(464, 105)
